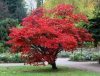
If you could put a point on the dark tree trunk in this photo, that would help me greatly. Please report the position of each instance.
(95, 43)
(54, 67)
(99, 61)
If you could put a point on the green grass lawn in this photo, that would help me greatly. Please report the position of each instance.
(43, 71)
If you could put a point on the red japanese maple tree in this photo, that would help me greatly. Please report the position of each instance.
(42, 37)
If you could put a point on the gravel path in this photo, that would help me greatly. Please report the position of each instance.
(89, 66)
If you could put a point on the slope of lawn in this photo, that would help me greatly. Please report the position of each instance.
(43, 71)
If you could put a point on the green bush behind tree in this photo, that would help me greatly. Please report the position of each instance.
(5, 25)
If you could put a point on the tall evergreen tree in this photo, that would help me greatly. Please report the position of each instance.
(16, 8)
(94, 27)
(4, 13)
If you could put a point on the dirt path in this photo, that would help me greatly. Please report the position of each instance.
(90, 66)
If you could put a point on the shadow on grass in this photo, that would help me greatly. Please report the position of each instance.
(48, 70)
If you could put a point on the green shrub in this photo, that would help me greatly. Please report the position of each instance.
(3, 58)
(77, 56)
(5, 25)
(3, 47)
(10, 58)
(95, 56)
(84, 56)
(64, 54)
(15, 58)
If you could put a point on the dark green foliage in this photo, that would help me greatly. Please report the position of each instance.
(94, 26)
(3, 47)
(16, 8)
(5, 25)
(4, 10)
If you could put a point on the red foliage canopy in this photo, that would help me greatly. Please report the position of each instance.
(41, 38)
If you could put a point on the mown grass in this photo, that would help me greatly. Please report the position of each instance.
(43, 71)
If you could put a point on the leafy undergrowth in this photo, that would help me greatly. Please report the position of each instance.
(43, 71)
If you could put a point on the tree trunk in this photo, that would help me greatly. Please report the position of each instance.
(99, 61)
(95, 43)
(54, 67)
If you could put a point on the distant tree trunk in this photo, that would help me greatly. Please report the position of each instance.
(95, 43)
(54, 67)
(99, 61)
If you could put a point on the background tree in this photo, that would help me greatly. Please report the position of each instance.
(94, 26)
(16, 8)
(46, 37)
(4, 10)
